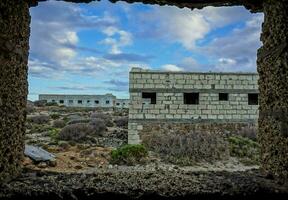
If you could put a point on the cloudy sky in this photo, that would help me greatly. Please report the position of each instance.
(90, 48)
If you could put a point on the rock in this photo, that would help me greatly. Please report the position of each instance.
(78, 167)
(42, 165)
(52, 163)
(38, 154)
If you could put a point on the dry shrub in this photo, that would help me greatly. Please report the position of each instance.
(99, 126)
(121, 122)
(248, 132)
(39, 119)
(105, 117)
(187, 149)
(30, 108)
(76, 132)
(59, 123)
(79, 121)
(40, 103)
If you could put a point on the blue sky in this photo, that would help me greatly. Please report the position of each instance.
(90, 48)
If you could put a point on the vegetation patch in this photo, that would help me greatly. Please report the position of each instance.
(99, 126)
(76, 132)
(188, 149)
(59, 123)
(39, 119)
(122, 122)
(55, 116)
(54, 133)
(245, 149)
(129, 155)
(51, 104)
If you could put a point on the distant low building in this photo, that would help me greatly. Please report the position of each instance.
(90, 101)
(122, 103)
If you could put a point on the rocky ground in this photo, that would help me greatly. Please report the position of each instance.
(158, 184)
(83, 168)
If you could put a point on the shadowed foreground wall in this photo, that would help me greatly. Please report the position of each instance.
(273, 86)
(272, 69)
(14, 44)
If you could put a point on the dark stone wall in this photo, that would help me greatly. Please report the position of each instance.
(273, 86)
(252, 5)
(14, 45)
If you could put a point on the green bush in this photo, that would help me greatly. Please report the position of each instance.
(129, 154)
(245, 149)
(51, 104)
(54, 133)
(188, 148)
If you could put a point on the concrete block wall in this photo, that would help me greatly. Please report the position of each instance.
(170, 88)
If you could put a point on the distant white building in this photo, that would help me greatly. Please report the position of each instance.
(103, 101)
(122, 103)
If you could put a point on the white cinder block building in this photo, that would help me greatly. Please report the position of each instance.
(103, 101)
(187, 97)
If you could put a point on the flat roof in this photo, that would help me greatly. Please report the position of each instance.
(84, 95)
(148, 71)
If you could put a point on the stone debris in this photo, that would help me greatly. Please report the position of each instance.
(38, 154)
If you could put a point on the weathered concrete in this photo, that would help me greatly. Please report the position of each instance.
(14, 45)
(171, 102)
(273, 85)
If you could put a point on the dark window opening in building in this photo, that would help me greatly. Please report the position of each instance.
(53, 100)
(88, 101)
(96, 101)
(118, 104)
(79, 101)
(223, 97)
(107, 102)
(61, 101)
(253, 99)
(70, 101)
(191, 98)
(150, 95)
(123, 103)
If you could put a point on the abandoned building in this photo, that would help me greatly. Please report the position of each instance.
(190, 98)
(272, 67)
(89, 101)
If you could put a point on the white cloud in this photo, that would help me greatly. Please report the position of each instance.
(66, 37)
(170, 67)
(240, 46)
(174, 24)
(124, 39)
(225, 64)
(54, 32)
